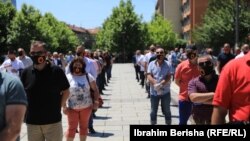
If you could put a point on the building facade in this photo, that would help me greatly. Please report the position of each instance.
(170, 10)
(183, 14)
(86, 36)
(192, 14)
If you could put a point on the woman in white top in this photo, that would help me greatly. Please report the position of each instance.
(80, 103)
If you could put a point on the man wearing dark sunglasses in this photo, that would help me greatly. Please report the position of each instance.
(47, 90)
(201, 91)
(186, 71)
(159, 74)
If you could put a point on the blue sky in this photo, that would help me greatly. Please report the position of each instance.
(87, 13)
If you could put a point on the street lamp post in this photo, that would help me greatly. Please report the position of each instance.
(237, 4)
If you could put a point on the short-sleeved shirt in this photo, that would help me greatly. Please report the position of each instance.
(11, 92)
(200, 85)
(185, 71)
(233, 90)
(79, 97)
(159, 73)
(26, 61)
(43, 88)
(224, 58)
(15, 64)
(141, 62)
(148, 56)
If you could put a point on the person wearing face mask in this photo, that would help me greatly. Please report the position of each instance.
(24, 58)
(224, 57)
(209, 51)
(201, 91)
(91, 69)
(80, 104)
(186, 71)
(47, 90)
(244, 50)
(159, 75)
(12, 65)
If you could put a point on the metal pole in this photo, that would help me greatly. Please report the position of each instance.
(237, 4)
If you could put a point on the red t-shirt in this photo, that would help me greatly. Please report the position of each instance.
(233, 89)
(185, 71)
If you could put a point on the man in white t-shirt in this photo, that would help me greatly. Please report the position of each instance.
(12, 65)
(24, 58)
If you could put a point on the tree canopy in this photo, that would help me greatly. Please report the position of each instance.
(219, 24)
(7, 13)
(19, 28)
(122, 30)
(161, 32)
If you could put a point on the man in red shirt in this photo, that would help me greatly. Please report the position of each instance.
(233, 92)
(186, 71)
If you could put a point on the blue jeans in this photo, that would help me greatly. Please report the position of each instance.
(185, 108)
(165, 104)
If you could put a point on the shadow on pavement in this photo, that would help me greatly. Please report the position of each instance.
(101, 135)
(105, 107)
(102, 118)
(174, 105)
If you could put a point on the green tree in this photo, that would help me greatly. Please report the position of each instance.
(23, 28)
(122, 31)
(161, 32)
(7, 13)
(219, 24)
(56, 34)
(30, 25)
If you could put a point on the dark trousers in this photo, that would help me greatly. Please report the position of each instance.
(137, 72)
(91, 120)
(185, 108)
(142, 77)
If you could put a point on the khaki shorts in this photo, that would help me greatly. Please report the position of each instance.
(48, 132)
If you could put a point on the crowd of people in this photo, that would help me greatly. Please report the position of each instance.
(210, 87)
(36, 88)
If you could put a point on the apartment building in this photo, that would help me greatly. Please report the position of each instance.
(170, 10)
(192, 14)
(183, 14)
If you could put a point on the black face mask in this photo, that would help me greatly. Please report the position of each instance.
(20, 53)
(77, 70)
(245, 52)
(158, 57)
(210, 53)
(79, 54)
(191, 55)
(38, 59)
(206, 68)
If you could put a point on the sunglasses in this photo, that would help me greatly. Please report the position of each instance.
(38, 53)
(206, 63)
(160, 52)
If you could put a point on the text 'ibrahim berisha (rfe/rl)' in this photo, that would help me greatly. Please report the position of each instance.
(206, 132)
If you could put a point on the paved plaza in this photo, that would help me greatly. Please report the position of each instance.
(125, 103)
